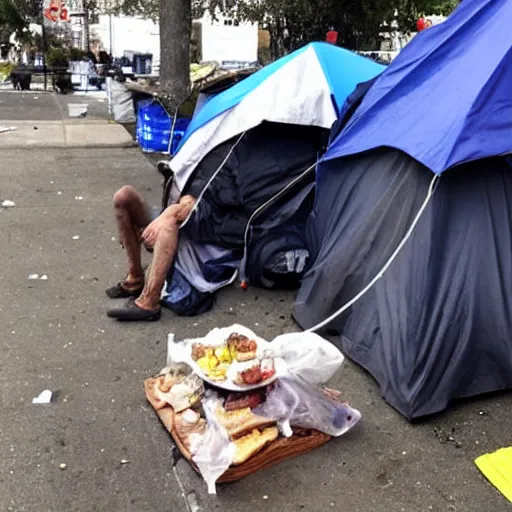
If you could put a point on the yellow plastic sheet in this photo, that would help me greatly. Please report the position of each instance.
(497, 468)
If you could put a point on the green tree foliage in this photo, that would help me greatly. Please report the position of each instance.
(12, 16)
(15, 17)
(147, 9)
(293, 23)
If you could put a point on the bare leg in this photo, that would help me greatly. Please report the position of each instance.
(131, 213)
(162, 235)
(163, 257)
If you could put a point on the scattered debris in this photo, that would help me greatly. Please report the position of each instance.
(77, 109)
(78, 198)
(45, 397)
(445, 438)
(36, 128)
(4, 129)
(63, 466)
(44, 277)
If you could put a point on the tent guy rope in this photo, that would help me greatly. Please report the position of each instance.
(211, 179)
(352, 301)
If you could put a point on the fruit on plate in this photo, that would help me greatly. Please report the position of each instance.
(223, 354)
(241, 347)
(218, 374)
(214, 362)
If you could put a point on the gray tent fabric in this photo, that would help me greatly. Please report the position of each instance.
(265, 161)
(269, 172)
(438, 325)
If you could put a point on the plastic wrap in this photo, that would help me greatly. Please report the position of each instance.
(308, 355)
(214, 453)
(293, 402)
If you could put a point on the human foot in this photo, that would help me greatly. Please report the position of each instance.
(131, 312)
(129, 287)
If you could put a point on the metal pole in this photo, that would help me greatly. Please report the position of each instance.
(110, 33)
(86, 26)
(45, 45)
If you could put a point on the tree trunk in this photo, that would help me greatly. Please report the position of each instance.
(175, 32)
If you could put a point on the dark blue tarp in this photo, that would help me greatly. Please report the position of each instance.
(265, 161)
(438, 325)
(446, 98)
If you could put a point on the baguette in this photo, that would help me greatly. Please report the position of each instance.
(240, 421)
(250, 444)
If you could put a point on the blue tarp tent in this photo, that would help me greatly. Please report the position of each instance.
(446, 99)
(433, 258)
(249, 158)
(307, 87)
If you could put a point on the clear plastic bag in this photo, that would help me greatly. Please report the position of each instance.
(214, 454)
(293, 402)
(308, 355)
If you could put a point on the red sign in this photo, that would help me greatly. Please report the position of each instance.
(332, 37)
(420, 24)
(57, 11)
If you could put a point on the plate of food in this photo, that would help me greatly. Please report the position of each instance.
(232, 358)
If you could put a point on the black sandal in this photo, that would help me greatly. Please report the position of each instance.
(120, 292)
(132, 313)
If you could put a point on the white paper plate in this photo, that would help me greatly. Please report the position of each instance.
(181, 352)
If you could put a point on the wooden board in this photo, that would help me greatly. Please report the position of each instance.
(302, 441)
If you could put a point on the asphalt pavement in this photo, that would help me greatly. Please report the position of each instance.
(54, 335)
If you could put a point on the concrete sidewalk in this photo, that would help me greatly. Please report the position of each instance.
(54, 334)
(66, 133)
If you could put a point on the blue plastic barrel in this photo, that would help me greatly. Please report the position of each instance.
(154, 128)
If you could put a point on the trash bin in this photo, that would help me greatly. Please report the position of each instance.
(154, 127)
(142, 63)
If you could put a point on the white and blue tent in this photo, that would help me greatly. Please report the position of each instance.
(307, 87)
(249, 158)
